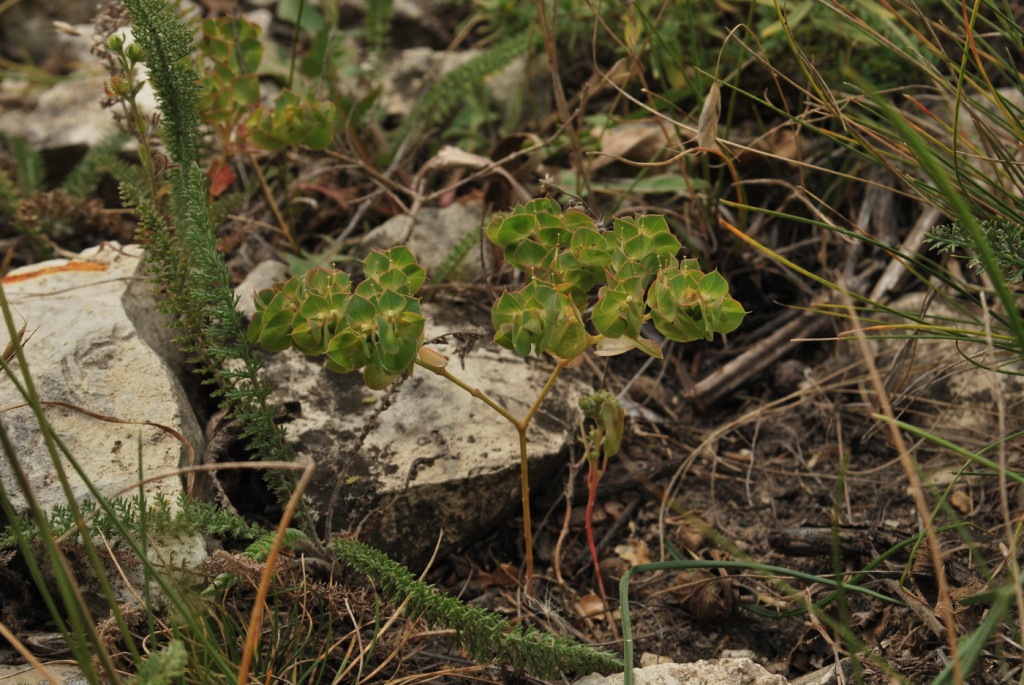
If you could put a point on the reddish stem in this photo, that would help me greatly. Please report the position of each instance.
(593, 476)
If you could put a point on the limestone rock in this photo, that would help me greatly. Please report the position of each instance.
(68, 114)
(263, 275)
(65, 674)
(710, 672)
(90, 332)
(407, 75)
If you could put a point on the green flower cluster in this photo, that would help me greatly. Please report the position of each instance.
(376, 326)
(566, 255)
(231, 96)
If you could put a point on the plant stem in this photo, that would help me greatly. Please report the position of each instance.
(281, 222)
(594, 473)
(524, 478)
(593, 476)
(520, 425)
(475, 392)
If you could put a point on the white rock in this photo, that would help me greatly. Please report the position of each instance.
(408, 74)
(710, 672)
(88, 322)
(65, 674)
(70, 112)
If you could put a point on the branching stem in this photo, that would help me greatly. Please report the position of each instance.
(521, 426)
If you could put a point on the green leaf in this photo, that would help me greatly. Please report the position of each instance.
(275, 331)
(312, 65)
(612, 419)
(314, 306)
(575, 220)
(649, 347)
(378, 379)
(347, 352)
(713, 286)
(563, 334)
(361, 311)
(514, 229)
(529, 255)
(311, 20)
(396, 269)
(731, 316)
(308, 339)
(543, 204)
(619, 309)
(568, 339)
(518, 325)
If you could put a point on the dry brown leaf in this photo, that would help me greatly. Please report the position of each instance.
(707, 125)
(635, 552)
(591, 606)
(962, 501)
(505, 575)
(705, 595)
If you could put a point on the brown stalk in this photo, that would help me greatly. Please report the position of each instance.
(945, 604)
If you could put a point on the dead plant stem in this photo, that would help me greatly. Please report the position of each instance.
(272, 203)
(546, 27)
(944, 606)
(253, 631)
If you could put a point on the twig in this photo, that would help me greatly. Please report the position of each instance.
(762, 355)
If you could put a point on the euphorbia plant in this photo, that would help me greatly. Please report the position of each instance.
(376, 326)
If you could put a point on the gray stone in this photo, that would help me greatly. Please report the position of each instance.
(710, 672)
(438, 459)
(69, 113)
(64, 674)
(26, 28)
(263, 275)
(434, 234)
(109, 393)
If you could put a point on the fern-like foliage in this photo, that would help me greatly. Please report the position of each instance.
(181, 246)
(39, 214)
(378, 26)
(28, 164)
(167, 47)
(24, 179)
(188, 517)
(9, 195)
(1006, 238)
(485, 636)
(448, 93)
(449, 267)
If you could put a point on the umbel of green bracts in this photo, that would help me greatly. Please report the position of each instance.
(375, 327)
(232, 92)
(635, 265)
